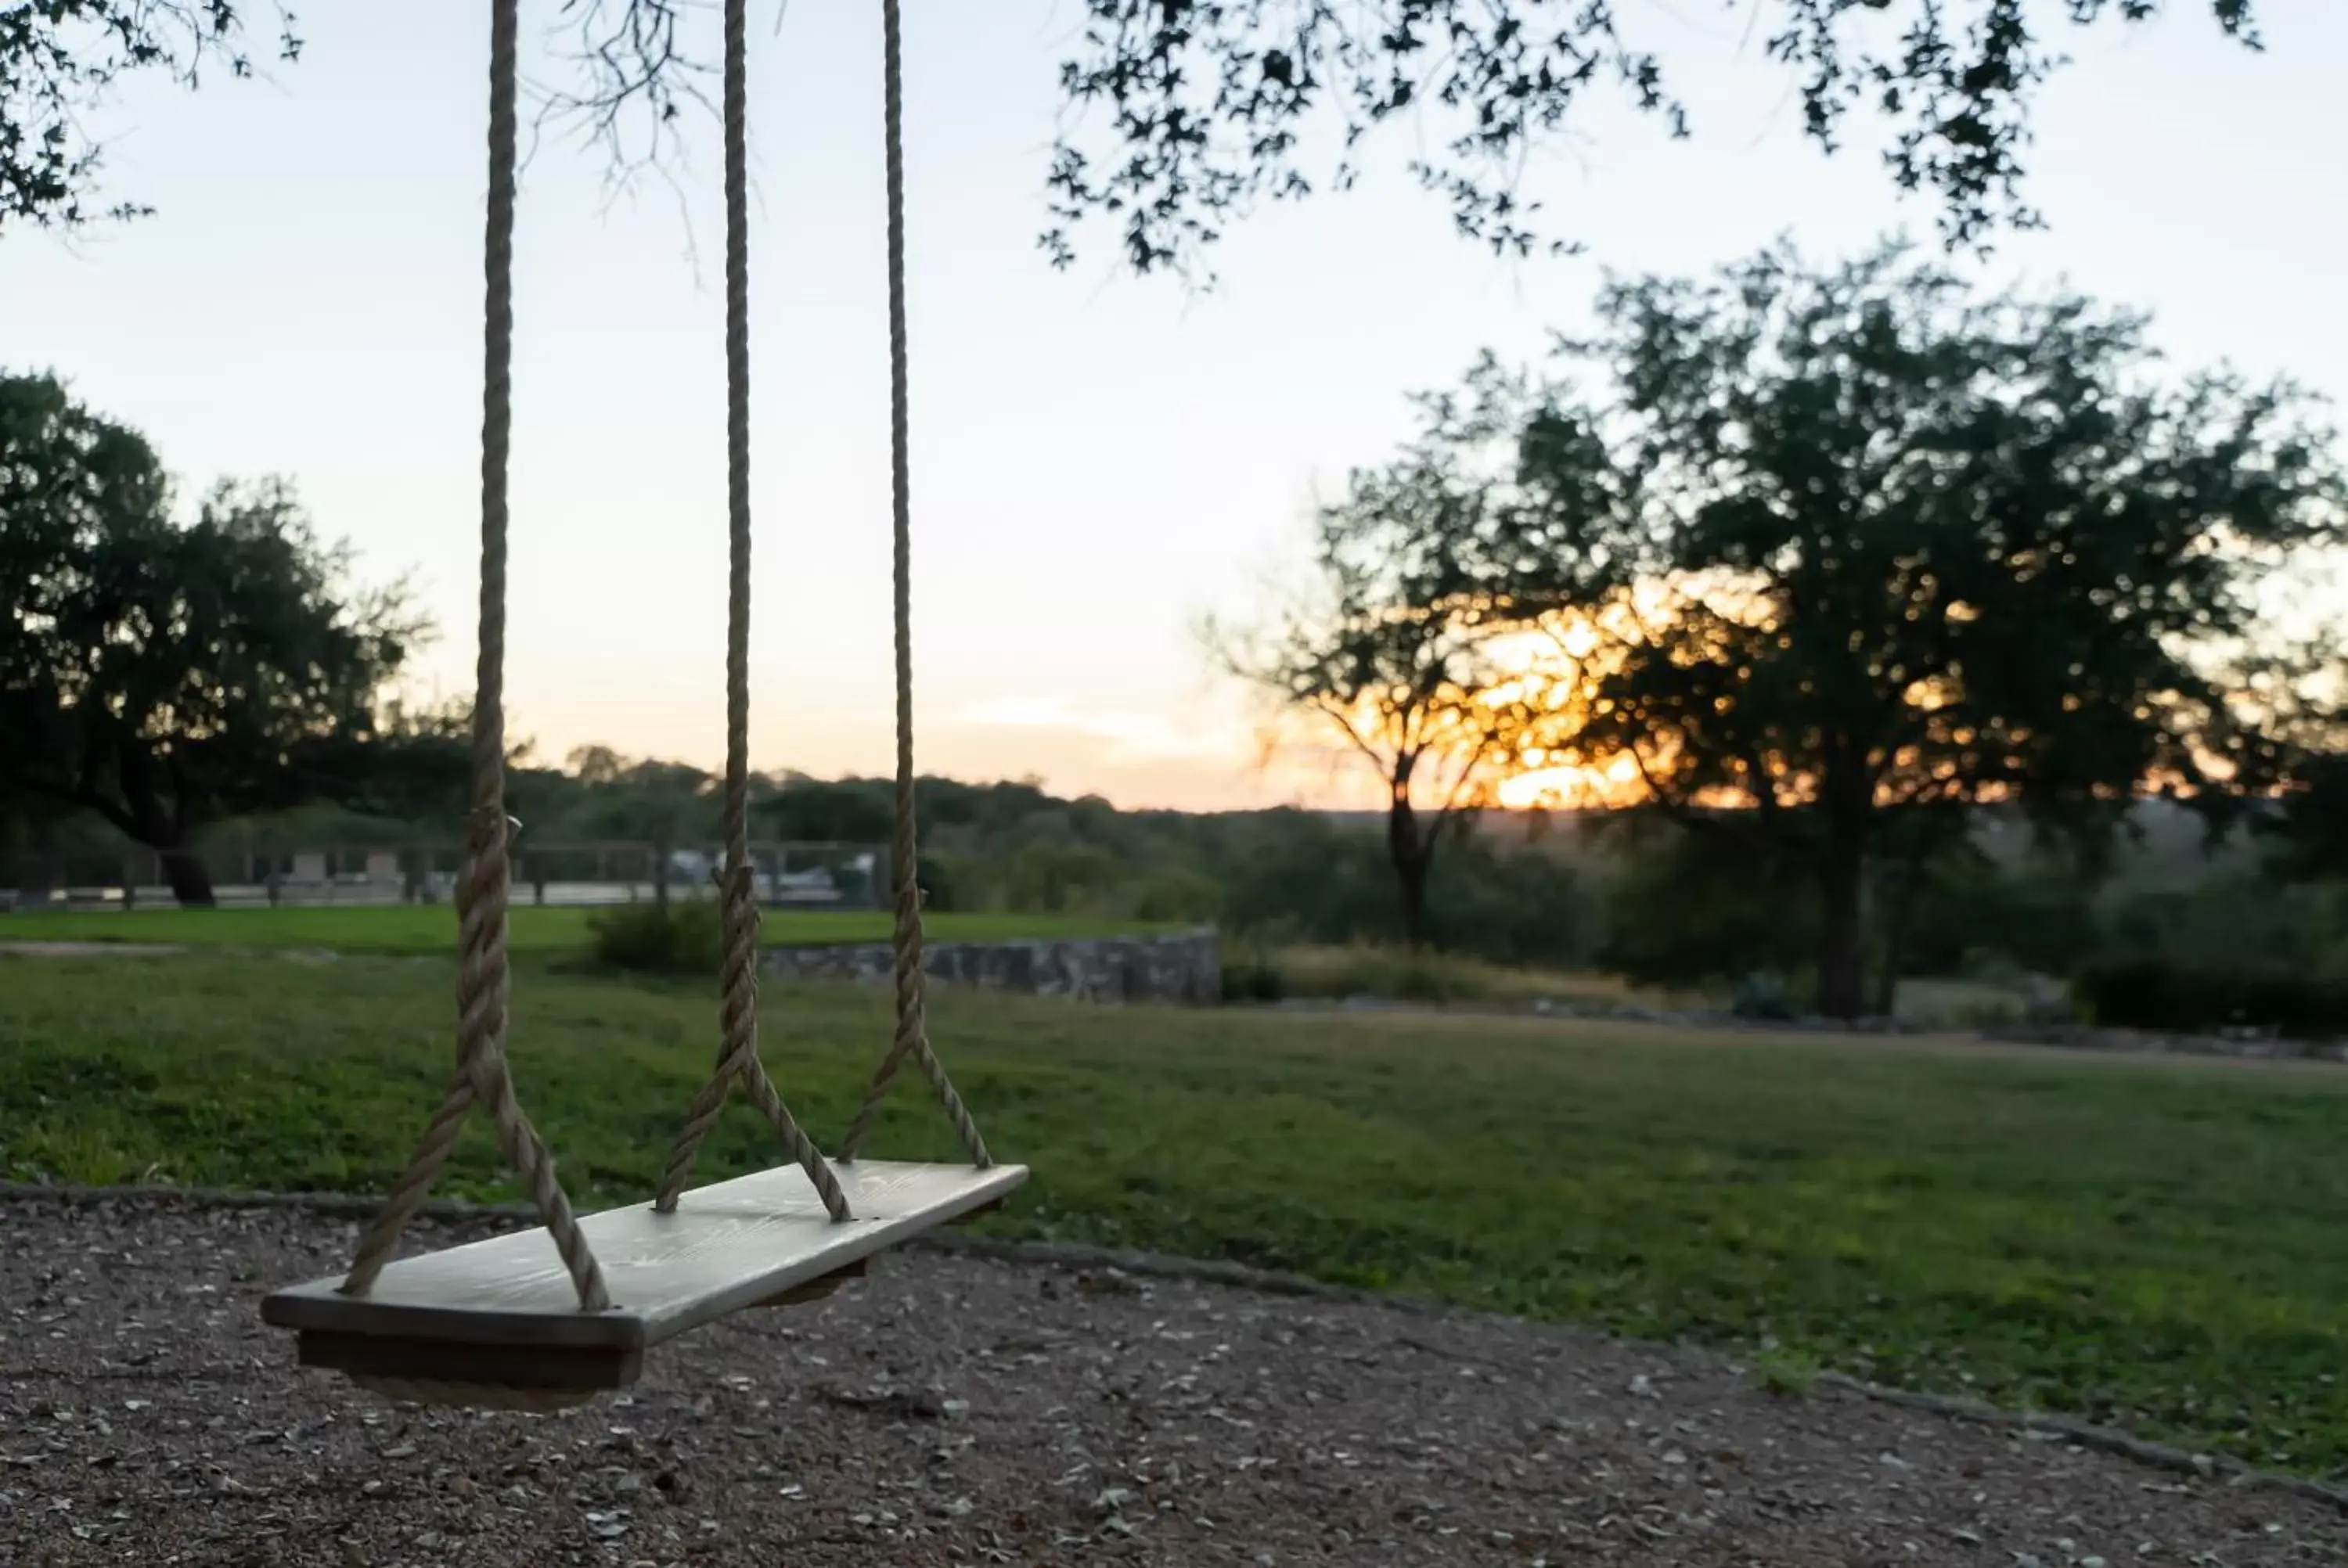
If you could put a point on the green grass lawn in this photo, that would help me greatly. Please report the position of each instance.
(432, 927)
(2158, 1247)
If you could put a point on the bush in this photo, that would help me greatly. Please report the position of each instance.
(2226, 925)
(1980, 922)
(1508, 906)
(1256, 979)
(1763, 995)
(2151, 994)
(940, 879)
(683, 938)
(1689, 911)
(1293, 876)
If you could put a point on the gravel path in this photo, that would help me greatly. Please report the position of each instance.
(957, 1410)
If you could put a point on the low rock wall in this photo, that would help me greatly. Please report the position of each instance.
(1183, 966)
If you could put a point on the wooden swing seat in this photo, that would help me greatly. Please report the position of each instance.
(503, 1312)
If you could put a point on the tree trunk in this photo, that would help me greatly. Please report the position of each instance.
(1899, 906)
(1412, 855)
(660, 874)
(1843, 940)
(191, 878)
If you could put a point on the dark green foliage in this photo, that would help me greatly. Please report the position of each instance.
(2238, 923)
(2158, 994)
(2309, 834)
(824, 811)
(940, 890)
(1508, 906)
(1689, 910)
(1301, 878)
(1253, 978)
(684, 937)
(1213, 104)
(1762, 996)
(409, 766)
(2035, 919)
(160, 675)
(1297, 877)
(1283, 876)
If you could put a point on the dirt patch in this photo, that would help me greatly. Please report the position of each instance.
(964, 1409)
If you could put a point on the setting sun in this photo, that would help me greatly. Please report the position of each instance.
(1573, 787)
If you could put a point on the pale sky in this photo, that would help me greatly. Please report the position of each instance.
(1097, 459)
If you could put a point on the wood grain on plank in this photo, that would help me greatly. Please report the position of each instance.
(727, 1246)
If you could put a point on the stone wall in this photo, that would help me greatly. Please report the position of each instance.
(1183, 966)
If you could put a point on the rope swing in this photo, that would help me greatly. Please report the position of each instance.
(912, 1014)
(484, 967)
(738, 958)
(479, 1325)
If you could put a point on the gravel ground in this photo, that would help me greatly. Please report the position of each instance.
(955, 1409)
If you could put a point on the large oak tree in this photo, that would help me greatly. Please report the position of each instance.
(167, 675)
(1870, 547)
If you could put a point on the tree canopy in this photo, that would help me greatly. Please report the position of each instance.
(166, 675)
(1861, 545)
(1210, 106)
(2310, 835)
(1214, 105)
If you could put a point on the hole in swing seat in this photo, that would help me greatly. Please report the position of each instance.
(503, 1310)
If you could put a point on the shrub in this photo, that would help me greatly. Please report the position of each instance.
(1508, 906)
(1293, 878)
(683, 938)
(2151, 994)
(1255, 979)
(2226, 925)
(1762, 995)
(940, 879)
(1987, 924)
(1688, 910)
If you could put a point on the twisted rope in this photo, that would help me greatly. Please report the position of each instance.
(483, 971)
(738, 967)
(913, 1037)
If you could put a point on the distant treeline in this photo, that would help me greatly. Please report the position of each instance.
(1563, 891)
